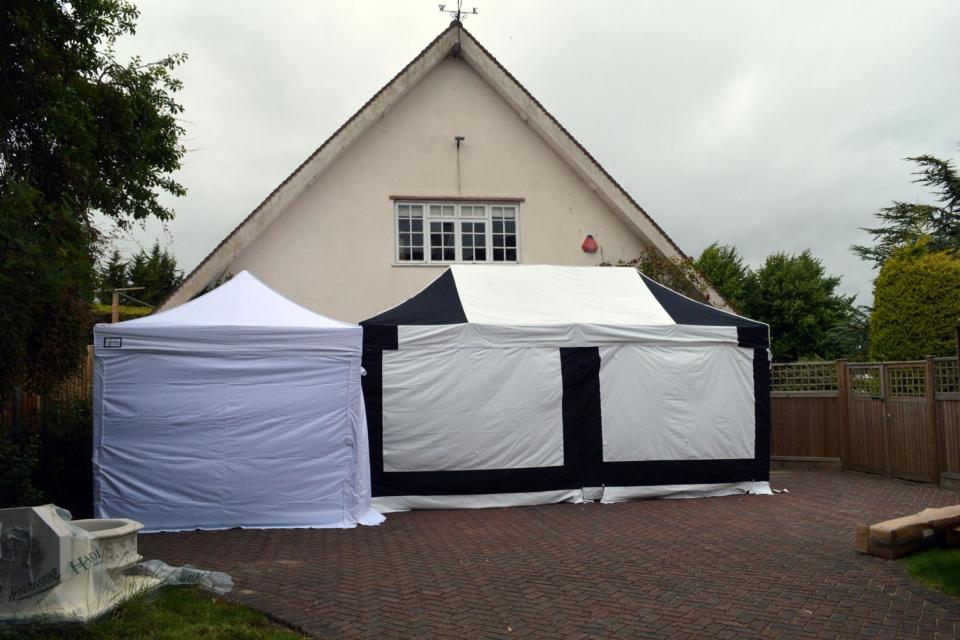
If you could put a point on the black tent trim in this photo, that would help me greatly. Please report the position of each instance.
(683, 310)
(583, 464)
(438, 303)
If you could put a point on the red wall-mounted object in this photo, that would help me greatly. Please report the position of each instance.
(589, 245)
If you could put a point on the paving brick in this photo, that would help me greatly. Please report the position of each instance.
(781, 566)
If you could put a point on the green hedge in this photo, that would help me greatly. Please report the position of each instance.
(104, 312)
(51, 461)
(916, 306)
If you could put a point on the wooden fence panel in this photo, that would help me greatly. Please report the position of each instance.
(804, 426)
(948, 420)
(866, 436)
(911, 455)
(893, 418)
(22, 410)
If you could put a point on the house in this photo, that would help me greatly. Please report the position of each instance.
(453, 161)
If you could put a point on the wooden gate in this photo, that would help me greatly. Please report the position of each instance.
(865, 444)
(892, 420)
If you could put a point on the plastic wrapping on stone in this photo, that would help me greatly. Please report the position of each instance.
(215, 581)
(53, 571)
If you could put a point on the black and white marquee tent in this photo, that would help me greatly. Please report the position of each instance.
(511, 385)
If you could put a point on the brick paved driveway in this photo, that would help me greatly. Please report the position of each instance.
(735, 567)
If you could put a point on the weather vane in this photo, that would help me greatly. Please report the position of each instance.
(458, 14)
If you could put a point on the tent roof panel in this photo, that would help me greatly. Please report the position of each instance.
(544, 295)
(683, 310)
(547, 295)
(242, 301)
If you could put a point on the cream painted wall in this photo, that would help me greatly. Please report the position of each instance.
(332, 250)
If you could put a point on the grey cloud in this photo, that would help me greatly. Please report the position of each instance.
(767, 125)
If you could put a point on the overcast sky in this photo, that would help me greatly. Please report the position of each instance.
(771, 126)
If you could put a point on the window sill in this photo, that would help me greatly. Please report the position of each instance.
(446, 264)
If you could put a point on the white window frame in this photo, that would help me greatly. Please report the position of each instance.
(457, 218)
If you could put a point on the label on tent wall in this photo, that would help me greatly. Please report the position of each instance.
(471, 409)
(670, 403)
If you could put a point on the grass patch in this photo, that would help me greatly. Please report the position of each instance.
(936, 568)
(175, 613)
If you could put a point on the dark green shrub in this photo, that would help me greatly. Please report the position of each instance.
(916, 306)
(799, 300)
(66, 446)
(19, 471)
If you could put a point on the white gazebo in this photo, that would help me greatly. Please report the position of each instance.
(237, 409)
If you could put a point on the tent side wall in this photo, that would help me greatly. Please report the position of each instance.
(217, 435)
(574, 422)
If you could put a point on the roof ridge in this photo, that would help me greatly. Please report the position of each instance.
(589, 156)
(306, 161)
(537, 104)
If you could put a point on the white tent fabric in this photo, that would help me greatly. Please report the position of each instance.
(237, 409)
(540, 295)
(503, 385)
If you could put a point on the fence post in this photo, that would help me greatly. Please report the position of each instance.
(936, 451)
(884, 390)
(843, 389)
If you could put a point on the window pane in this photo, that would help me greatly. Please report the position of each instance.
(454, 227)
